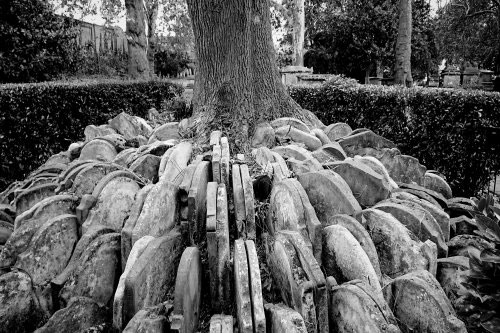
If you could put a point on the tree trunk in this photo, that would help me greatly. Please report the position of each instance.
(152, 15)
(403, 45)
(138, 67)
(299, 27)
(237, 83)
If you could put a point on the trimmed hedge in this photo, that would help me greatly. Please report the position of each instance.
(39, 120)
(443, 128)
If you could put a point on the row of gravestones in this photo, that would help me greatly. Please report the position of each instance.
(106, 225)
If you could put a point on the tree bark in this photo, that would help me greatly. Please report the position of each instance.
(151, 17)
(138, 67)
(403, 45)
(237, 83)
(299, 27)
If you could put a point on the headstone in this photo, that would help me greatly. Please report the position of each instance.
(294, 151)
(284, 319)
(146, 166)
(159, 213)
(177, 162)
(330, 152)
(453, 274)
(378, 167)
(30, 197)
(309, 140)
(239, 202)
(128, 227)
(354, 308)
(398, 254)
(259, 319)
(197, 199)
(187, 299)
(91, 131)
(242, 288)
(67, 177)
(96, 272)
(187, 180)
(329, 194)
(420, 304)
(224, 160)
(165, 132)
(422, 190)
(216, 164)
(366, 139)
(462, 245)
(337, 130)
(50, 249)
(81, 314)
(151, 319)
(128, 126)
(119, 298)
(159, 260)
(321, 136)
(367, 186)
(436, 183)
(345, 259)
(113, 204)
(417, 220)
(89, 177)
(287, 121)
(221, 324)
(98, 149)
(215, 138)
(308, 165)
(361, 235)
(249, 201)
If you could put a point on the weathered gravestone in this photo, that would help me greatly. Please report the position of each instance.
(283, 319)
(221, 324)
(337, 130)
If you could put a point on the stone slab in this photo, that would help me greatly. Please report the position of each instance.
(330, 152)
(221, 324)
(96, 272)
(420, 304)
(287, 121)
(160, 260)
(242, 288)
(151, 320)
(49, 207)
(337, 130)
(216, 163)
(177, 162)
(89, 177)
(294, 151)
(50, 249)
(259, 318)
(165, 132)
(239, 202)
(30, 197)
(215, 138)
(224, 160)
(366, 139)
(147, 167)
(92, 131)
(187, 180)
(438, 184)
(99, 150)
(197, 202)
(321, 136)
(284, 319)
(187, 298)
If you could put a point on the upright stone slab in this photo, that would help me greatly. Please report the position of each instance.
(124, 157)
(81, 314)
(281, 165)
(159, 213)
(165, 132)
(216, 164)
(50, 249)
(30, 197)
(187, 297)
(287, 121)
(177, 162)
(401, 168)
(345, 259)
(68, 176)
(353, 143)
(159, 260)
(453, 274)
(90, 176)
(398, 254)
(215, 138)
(420, 190)
(420, 304)
(113, 204)
(378, 167)
(91, 131)
(197, 201)
(330, 152)
(224, 160)
(99, 150)
(128, 227)
(321, 136)
(337, 130)
(259, 318)
(146, 166)
(284, 319)
(19, 311)
(354, 308)
(96, 273)
(127, 125)
(294, 151)
(417, 220)
(436, 183)
(249, 201)
(309, 140)
(151, 319)
(221, 324)
(119, 298)
(187, 180)
(329, 194)
(367, 186)
(242, 287)
(239, 202)
(361, 235)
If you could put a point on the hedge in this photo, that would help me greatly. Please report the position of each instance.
(443, 128)
(39, 120)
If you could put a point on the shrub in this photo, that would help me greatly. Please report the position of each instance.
(39, 120)
(443, 128)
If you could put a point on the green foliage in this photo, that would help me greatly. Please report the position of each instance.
(443, 128)
(481, 293)
(36, 45)
(39, 120)
(169, 63)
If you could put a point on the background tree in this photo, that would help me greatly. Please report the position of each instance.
(35, 44)
(424, 51)
(138, 64)
(469, 30)
(402, 66)
(237, 81)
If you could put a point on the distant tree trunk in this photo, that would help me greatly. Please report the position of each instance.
(237, 82)
(138, 67)
(151, 16)
(299, 27)
(403, 45)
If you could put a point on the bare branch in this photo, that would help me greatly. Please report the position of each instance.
(479, 13)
